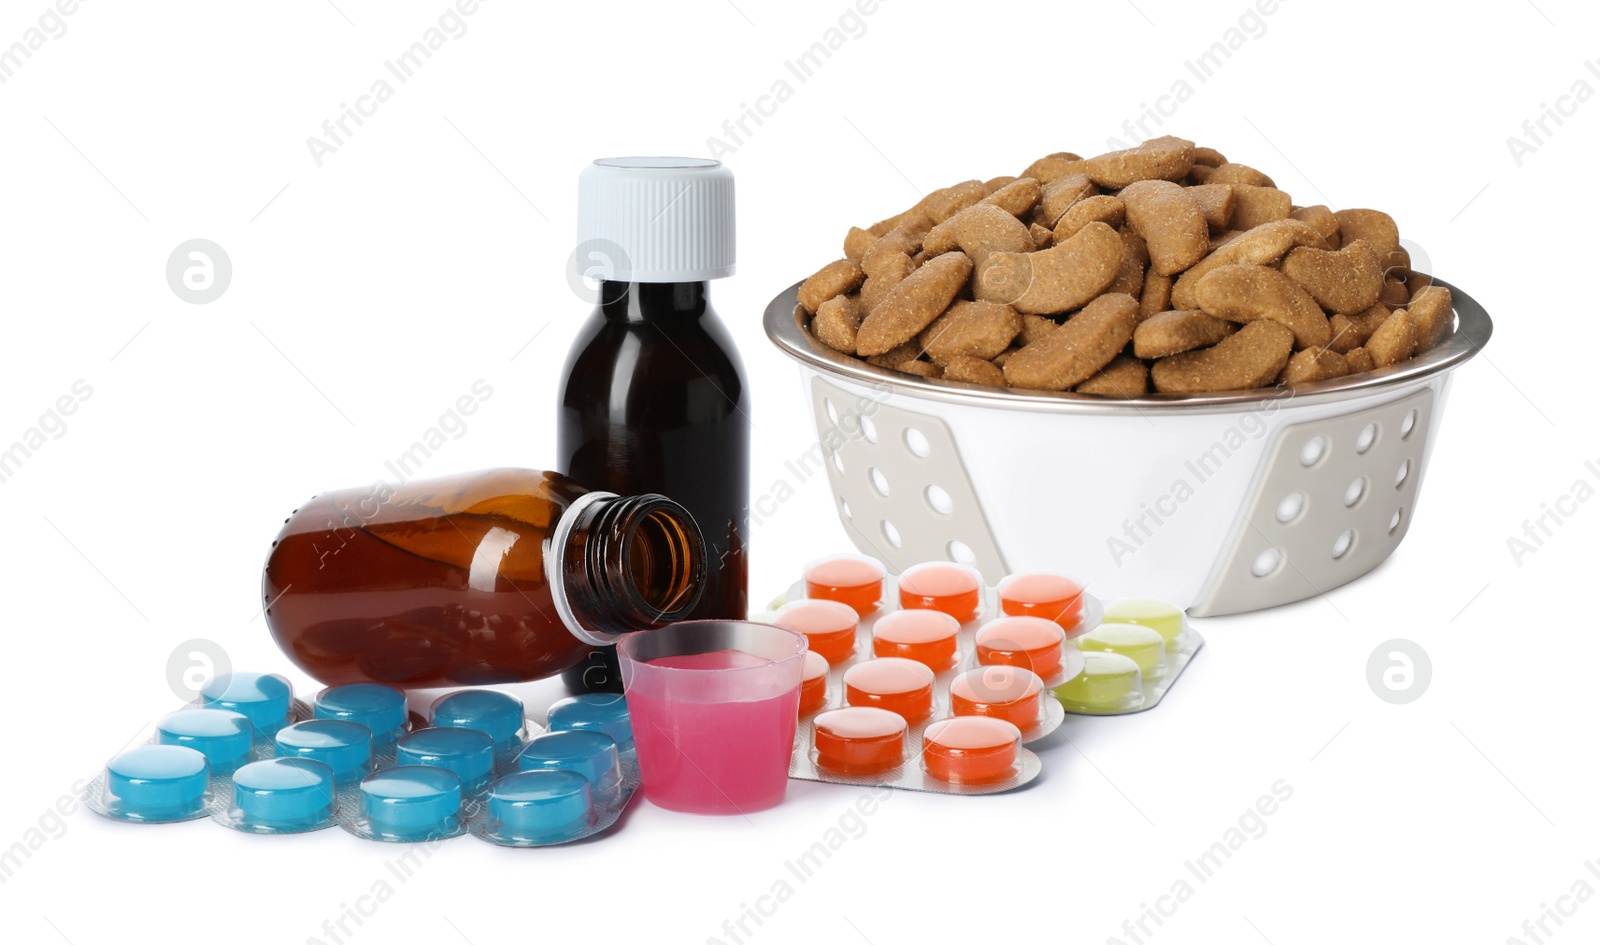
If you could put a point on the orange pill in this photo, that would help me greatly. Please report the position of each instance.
(829, 626)
(938, 585)
(927, 636)
(813, 683)
(999, 692)
(1051, 596)
(860, 739)
(848, 579)
(900, 685)
(1029, 642)
(971, 749)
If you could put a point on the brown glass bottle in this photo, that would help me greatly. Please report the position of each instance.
(501, 576)
(654, 399)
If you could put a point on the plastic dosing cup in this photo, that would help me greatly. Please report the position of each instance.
(714, 705)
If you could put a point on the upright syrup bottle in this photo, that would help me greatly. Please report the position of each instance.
(653, 398)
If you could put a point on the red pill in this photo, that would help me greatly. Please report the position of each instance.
(900, 685)
(829, 626)
(1029, 642)
(848, 579)
(972, 749)
(1051, 596)
(927, 636)
(813, 683)
(860, 739)
(999, 692)
(937, 585)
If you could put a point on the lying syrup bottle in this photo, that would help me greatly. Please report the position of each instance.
(653, 397)
(501, 576)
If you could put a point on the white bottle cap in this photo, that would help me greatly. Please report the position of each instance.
(655, 219)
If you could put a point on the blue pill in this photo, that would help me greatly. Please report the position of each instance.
(485, 710)
(263, 698)
(466, 751)
(157, 783)
(380, 708)
(284, 793)
(346, 747)
(225, 737)
(538, 806)
(411, 802)
(591, 754)
(594, 711)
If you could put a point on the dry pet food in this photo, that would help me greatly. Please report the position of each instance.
(1160, 268)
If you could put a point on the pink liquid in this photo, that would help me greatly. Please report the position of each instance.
(709, 757)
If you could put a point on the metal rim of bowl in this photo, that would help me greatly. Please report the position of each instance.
(785, 325)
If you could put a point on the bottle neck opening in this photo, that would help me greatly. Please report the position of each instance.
(625, 563)
(639, 301)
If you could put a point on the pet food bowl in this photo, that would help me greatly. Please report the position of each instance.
(1220, 503)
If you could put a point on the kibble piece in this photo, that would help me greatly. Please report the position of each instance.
(1058, 279)
(1170, 221)
(1170, 333)
(895, 356)
(836, 278)
(905, 239)
(920, 368)
(1101, 208)
(977, 231)
(1059, 195)
(1035, 327)
(1314, 364)
(995, 183)
(1199, 174)
(1359, 360)
(970, 329)
(1251, 357)
(1321, 219)
(1135, 260)
(1344, 281)
(1210, 157)
(879, 284)
(836, 323)
(1017, 197)
(1157, 295)
(946, 203)
(1000, 359)
(1396, 293)
(974, 371)
(1164, 158)
(1216, 202)
(1253, 206)
(1430, 312)
(857, 242)
(1123, 377)
(1053, 166)
(1083, 345)
(1394, 341)
(1042, 235)
(1374, 226)
(1240, 174)
(1352, 331)
(1251, 293)
(911, 305)
(1258, 247)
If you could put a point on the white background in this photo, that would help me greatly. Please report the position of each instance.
(370, 292)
